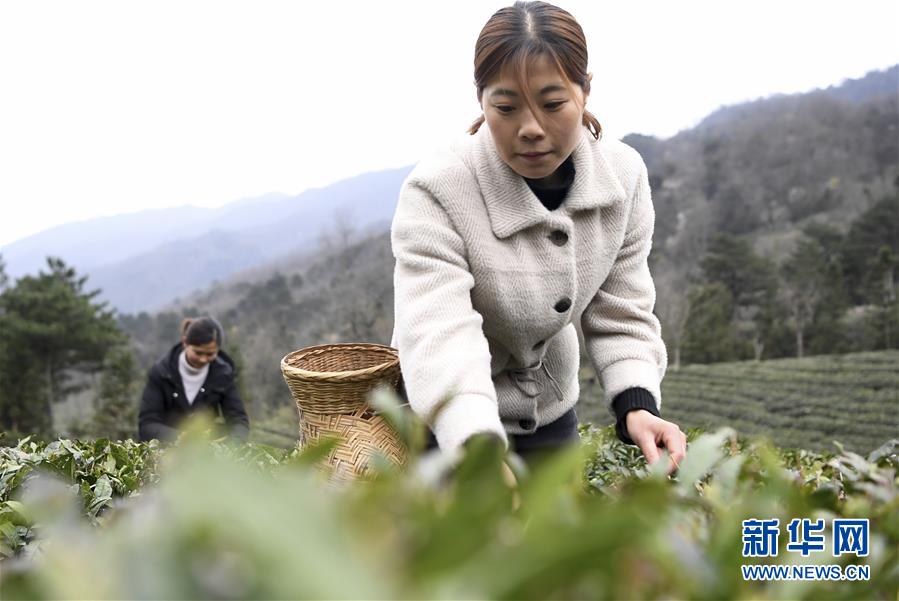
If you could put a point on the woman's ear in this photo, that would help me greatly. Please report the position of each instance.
(183, 340)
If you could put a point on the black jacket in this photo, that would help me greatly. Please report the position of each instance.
(164, 404)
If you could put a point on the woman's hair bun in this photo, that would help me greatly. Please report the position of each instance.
(202, 330)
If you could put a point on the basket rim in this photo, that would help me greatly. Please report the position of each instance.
(293, 371)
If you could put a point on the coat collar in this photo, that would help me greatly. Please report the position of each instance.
(222, 368)
(512, 206)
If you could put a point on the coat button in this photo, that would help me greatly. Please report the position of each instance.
(558, 237)
(539, 345)
(175, 395)
(527, 424)
(563, 305)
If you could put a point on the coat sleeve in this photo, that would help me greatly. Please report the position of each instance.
(234, 413)
(623, 337)
(151, 417)
(444, 355)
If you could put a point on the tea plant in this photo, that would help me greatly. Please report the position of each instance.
(211, 519)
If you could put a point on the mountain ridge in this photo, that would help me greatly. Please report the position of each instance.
(258, 229)
(692, 175)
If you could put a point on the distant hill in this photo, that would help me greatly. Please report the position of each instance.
(872, 85)
(143, 261)
(875, 85)
(97, 242)
(271, 230)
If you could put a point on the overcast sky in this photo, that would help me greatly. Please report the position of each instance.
(114, 107)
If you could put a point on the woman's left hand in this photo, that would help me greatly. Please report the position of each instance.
(653, 433)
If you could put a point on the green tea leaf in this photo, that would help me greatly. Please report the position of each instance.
(702, 454)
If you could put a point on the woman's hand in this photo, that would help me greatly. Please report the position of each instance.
(652, 433)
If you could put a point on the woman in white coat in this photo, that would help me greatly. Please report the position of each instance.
(511, 236)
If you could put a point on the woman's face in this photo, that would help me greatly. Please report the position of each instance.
(534, 149)
(199, 355)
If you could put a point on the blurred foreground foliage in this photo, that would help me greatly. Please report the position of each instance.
(215, 519)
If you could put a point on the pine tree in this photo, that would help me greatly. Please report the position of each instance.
(709, 336)
(51, 329)
(752, 284)
(825, 334)
(875, 228)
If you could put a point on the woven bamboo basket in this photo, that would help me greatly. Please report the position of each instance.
(330, 384)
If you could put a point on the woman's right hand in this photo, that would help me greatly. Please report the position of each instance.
(653, 434)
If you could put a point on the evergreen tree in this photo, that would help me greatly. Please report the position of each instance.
(732, 262)
(888, 308)
(875, 228)
(825, 334)
(708, 335)
(50, 329)
(752, 284)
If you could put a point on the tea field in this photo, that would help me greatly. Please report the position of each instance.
(209, 519)
(801, 403)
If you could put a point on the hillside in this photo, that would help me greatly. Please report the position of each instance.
(344, 292)
(767, 168)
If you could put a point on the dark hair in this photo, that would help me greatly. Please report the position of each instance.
(516, 35)
(202, 330)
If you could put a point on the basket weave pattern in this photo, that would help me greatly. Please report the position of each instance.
(330, 384)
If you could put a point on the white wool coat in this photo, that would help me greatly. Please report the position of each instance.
(489, 284)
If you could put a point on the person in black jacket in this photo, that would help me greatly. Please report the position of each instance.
(194, 376)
